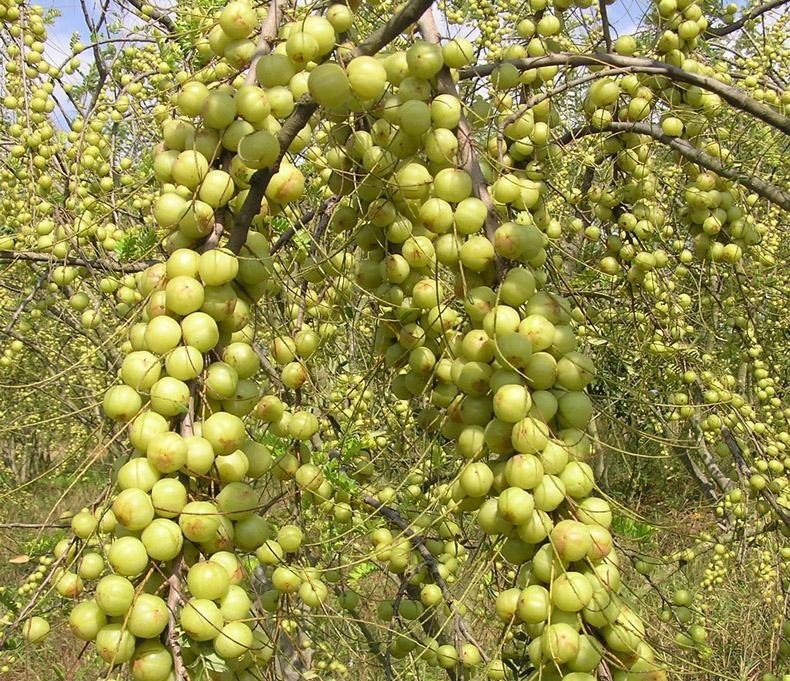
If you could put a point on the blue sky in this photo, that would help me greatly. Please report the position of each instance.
(624, 15)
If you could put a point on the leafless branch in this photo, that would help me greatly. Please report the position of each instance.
(759, 186)
(746, 17)
(733, 96)
(99, 263)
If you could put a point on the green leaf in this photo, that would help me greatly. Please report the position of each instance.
(360, 571)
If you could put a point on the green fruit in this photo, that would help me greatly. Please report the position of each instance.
(148, 616)
(201, 619)
(115, 644)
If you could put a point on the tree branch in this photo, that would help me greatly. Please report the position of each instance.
(410, 13)
(173, 600)
(748, 16)
(765, 189)
(446, 85)
(268, 34)
(99, 264)
(740, 462)
(427, 557)
(733, 96)
(607, 34)
(157, 15)
(301, 115)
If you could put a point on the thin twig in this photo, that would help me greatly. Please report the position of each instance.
(748, 16)
(733, 96)
(765, 493)
(759, 186)
(99, 263)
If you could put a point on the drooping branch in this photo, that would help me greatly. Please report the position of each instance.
(101, 67)
(324, 210)
(733, 96)
(301, 115)
(98, 264)
(759, 186)
(467, 156)
(174, 599)
(162, 18)
(428, 559)
(746, 17)
(24, 302)
(782, 513)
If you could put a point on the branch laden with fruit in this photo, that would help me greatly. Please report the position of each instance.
(339, 274)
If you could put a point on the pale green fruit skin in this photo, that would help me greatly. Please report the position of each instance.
(242, 358)
(476, 479)
(137, 473)
(115, 644)
(232, 565)
(200, 331)
(235, 604)
(184, 363)
(148, 617)
(200, 455)
(238, 500)
(114, 595)
(560, 643)
(128, 556)
(252, 103)
(169, 396)
(221, 381)
(189, 168)
(199, 521)
(524, 470)
(151, 662)
(477, 253)
(91, 566)
(458, 52)
(530, 436)
(208, 580)
(162, 334)
(140, 370)
(169, 497)
(329, 85)
(534, 604)
(571, 540)
(289, 537)
(217, 267)
(183, 295)
(571, 592)
(86, 620)
(424, 59)
(285, 580)
(217, 188)
(201, 619)
(167, 453)
(162, 539)
(225, 432)
(133, 509)
(235, 639)
(515, 505)
(259, 149)
(238, 19)
(512, 403)
(35, 629)
(367, 77)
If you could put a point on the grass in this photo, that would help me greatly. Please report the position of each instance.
(59, 656)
